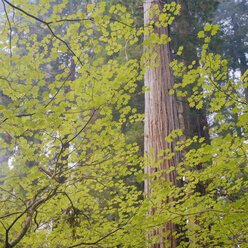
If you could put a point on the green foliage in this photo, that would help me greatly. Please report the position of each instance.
(194, 14)
(67, 181)
(75, 188)
(69, 176)
(219, 217)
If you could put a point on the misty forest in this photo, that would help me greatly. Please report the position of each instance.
(123, 124)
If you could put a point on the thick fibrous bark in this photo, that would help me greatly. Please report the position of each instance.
(160, 119)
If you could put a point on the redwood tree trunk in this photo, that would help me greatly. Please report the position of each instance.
(160, 119)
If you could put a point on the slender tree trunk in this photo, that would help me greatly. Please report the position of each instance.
(160, 119)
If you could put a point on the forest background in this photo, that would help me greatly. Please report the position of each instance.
(81, 165)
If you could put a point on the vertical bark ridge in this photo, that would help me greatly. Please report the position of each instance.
(161, 118)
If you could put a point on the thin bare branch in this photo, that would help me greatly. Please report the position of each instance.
(10, 28)
(12, 195)
(10, 214)
(97, 241)
(48, 26)
(82, 129)
(33, 206)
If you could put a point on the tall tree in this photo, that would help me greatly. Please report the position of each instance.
(80, 138)
(159, 108)
(161, 116)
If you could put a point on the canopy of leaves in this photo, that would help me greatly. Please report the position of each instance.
(67, 169)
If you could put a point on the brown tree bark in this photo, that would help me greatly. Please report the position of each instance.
(160, 119)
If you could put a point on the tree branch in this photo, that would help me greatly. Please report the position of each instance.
(97, 241)
(10, 28)
(33, 206)
(10, 214)
(46, 24)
